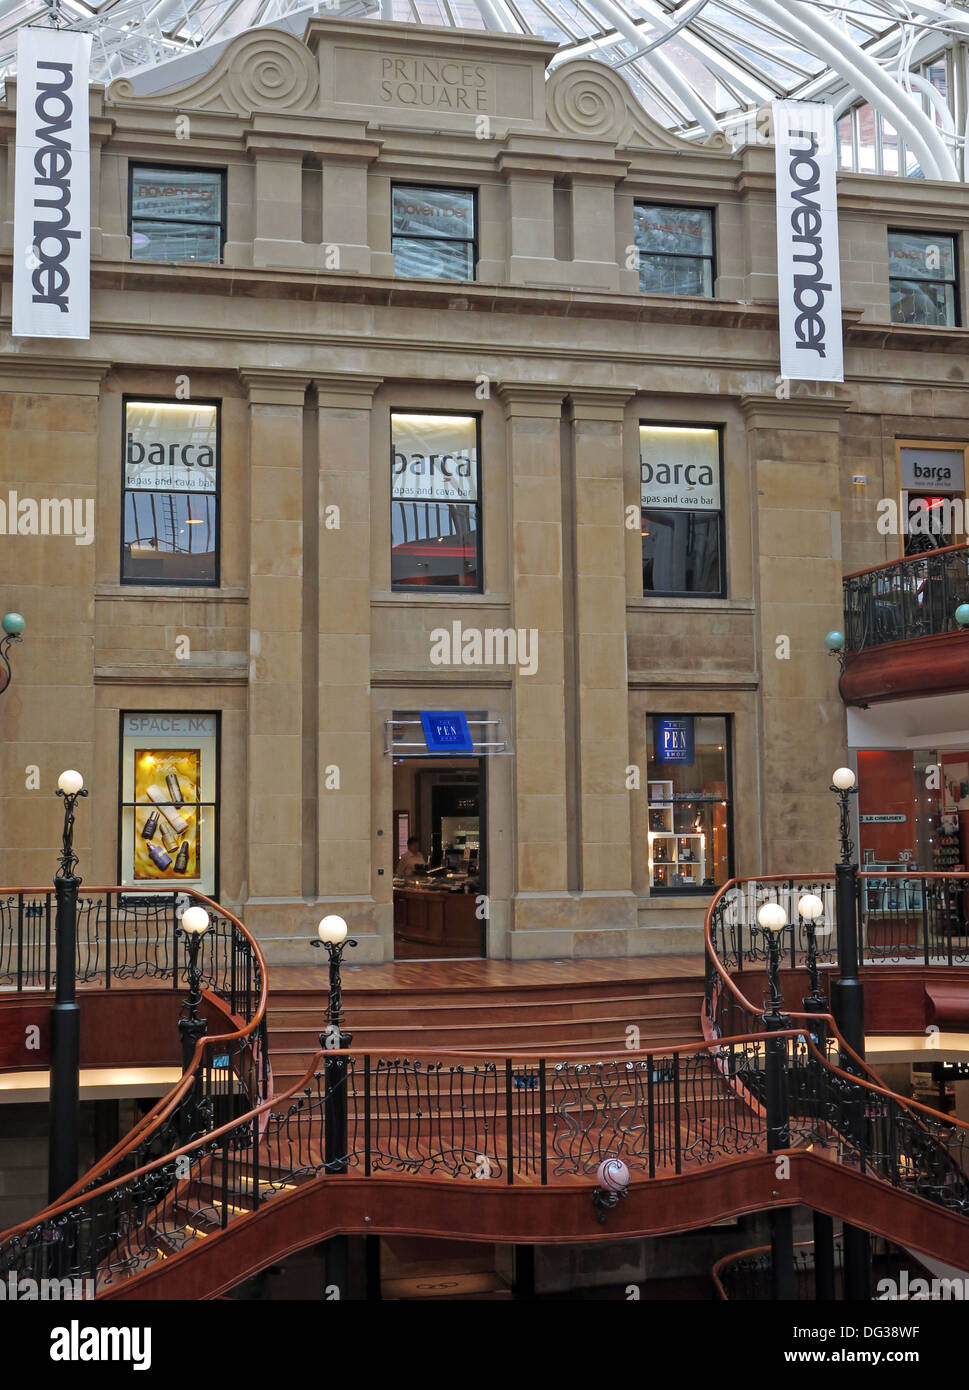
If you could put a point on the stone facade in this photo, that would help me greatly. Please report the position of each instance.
(309, 342)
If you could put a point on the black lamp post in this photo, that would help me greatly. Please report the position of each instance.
(847, 994)
(848, 1007)
(333, 937)
(810, 909)
(193, 926)
(65, 1027)
(773, 919)
(13, 625)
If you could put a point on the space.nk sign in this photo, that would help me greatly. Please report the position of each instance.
(52, 190)
(808, 269)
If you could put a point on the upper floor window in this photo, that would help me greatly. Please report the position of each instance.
(434, 232)
(675, 248)
(177, 214)
(170, 510)
(682, 510)
(923, 278)
(435, 501)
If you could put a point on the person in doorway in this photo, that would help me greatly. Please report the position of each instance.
(410, 864)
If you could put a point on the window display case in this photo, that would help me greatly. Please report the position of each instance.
(687, 805)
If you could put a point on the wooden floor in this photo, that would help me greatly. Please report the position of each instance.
(487, 974)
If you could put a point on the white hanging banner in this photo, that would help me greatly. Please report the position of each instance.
(808, 267)
(52, 191)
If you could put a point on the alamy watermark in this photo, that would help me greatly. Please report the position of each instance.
(48, 516)
(490, 646)
(16, 1290)
(919, 1289)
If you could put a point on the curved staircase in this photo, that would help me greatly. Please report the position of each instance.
(478, 1145)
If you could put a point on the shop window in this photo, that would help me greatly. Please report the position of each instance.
(688, 796)
(434, 232)
(923, 279)
(675, 247)
(170, 502)
(435, 501)
(682, 513)
(176, 214)
(933, 479)
(169, 800)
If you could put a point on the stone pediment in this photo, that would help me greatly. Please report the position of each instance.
(412, 75)
(587, 99)
(263, 70)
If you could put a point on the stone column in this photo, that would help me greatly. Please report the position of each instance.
(345, 165)
(278, 238)
(344, 736)
(276, 433)
(531, 218)
(795, 452)
(541, 905)
(607, 907)
(594, 225)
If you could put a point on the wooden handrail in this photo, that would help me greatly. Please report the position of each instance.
(905, 560)
(828, 1019)
(166, 1106)
(316, 1067)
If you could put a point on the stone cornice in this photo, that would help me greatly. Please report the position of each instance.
(600, 402)
(270, 144)
(532, 399)
(811, 406)
(63, 376)
(346, 390)
(401, 37)
(260, 282)
(542, 164)
(171, 675)
(272, 386)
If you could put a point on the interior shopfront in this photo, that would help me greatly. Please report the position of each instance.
(932, 479)
(440, 850)
(913, 812)
(688, 792)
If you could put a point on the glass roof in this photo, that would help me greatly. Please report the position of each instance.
(697, 66)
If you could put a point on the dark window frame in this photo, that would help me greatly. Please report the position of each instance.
(955, 282)
(720, 430)
(216, 806)
(179, 221)
(676, 890)
(133, 398)
(681, 255)
(479, 529)
(419, 236)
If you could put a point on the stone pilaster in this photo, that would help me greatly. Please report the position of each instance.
(542, 906)
(795, 458)
(607, 907)
(345, 750)
(276, 442)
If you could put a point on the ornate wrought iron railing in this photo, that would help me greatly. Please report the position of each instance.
(746, 1275)
(466, 1118)
(919, 918)
(832, 1094)
(471, 1118)
(127, 935)
(915, 597)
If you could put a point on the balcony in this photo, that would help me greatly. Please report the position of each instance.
(902, 635)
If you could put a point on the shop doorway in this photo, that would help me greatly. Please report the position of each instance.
(440, 858)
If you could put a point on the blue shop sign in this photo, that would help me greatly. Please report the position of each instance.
(674, 740)
(446, 732)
